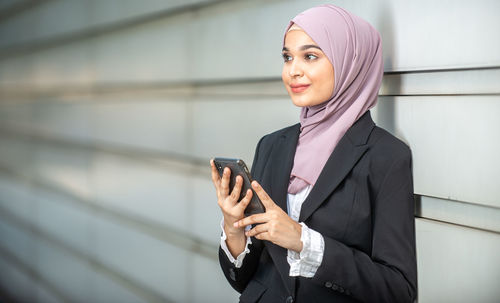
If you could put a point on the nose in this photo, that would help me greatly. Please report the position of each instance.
(295, 69)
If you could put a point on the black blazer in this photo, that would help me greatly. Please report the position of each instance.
(362, 204)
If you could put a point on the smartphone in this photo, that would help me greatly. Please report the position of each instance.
(239, 168)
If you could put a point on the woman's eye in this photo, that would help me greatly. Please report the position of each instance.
(287, 58)
(311, 57)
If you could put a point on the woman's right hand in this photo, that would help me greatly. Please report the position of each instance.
(232, 210)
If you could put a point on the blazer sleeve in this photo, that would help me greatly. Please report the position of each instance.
(238, 278)
(389, 274)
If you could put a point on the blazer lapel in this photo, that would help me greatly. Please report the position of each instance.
(282, 159)
(279, 256)
(350, 148)
(343, 158)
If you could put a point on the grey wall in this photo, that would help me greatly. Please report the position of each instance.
(110, 110)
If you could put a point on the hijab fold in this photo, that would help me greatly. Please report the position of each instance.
(354, 48)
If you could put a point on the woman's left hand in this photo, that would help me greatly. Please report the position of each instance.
(275, 224)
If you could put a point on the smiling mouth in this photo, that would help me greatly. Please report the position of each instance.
(299, 88)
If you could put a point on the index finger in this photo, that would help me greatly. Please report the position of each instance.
(263, 196)
(253, 219)
(215, 173)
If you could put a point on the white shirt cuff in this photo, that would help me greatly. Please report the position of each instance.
(307, 262)
(239, 259)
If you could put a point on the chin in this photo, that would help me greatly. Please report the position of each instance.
(300, 101)
(306, 101)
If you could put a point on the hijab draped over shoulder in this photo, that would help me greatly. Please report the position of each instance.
(354, 48)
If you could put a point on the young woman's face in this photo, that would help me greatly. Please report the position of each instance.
(307, 73)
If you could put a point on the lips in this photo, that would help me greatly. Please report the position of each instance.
(298, 88)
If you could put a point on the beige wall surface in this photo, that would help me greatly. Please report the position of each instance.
(111, 109)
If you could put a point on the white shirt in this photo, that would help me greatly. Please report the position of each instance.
(306, 262)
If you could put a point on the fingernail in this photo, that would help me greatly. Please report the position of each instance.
(235, 224)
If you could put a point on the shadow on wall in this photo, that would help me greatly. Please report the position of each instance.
(386, 115)
(385, 106)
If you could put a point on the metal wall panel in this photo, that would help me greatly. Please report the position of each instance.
(30, 286)
(155, 265)
(39, 23)
(16, 242)
(150, 52)
(211, 289)
(16, 72)
(48, 251)
(107, 290)
(210, 45)
(457, 264)
(43, 295)
(17, 197)
(18, 285)
(205, 215)
(146, 123)
(110, 110)
(59, 268)
(472, 215)
(454, 155)
(62, 168)
(15, 156)
(233, 128)
(116, 184)
(64, 220)
(200, 129)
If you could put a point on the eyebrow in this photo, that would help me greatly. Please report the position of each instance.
(303, 47)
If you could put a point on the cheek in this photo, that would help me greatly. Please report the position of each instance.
(328, 87)
(331, 81)
(284, 74)
(327, 79)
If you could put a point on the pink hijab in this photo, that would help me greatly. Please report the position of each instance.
(354, 48)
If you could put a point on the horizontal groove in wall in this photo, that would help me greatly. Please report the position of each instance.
(134, 286)
(180, 238)
(32, 274)
(473, 215)
(451, 224)
(270, 86)
(464, 213)
(17, 8)
(166, 159)
(162, 232)
(452, 82)
(6, 297)
(95, 31)
(440, 70)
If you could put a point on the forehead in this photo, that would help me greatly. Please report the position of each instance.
(297, 38)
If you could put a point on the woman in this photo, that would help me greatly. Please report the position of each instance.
(338, 190)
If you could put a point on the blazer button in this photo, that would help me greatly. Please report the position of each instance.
(335, 287)
(328, 284)
(289, 299)
(232, 274)
(341, 290)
